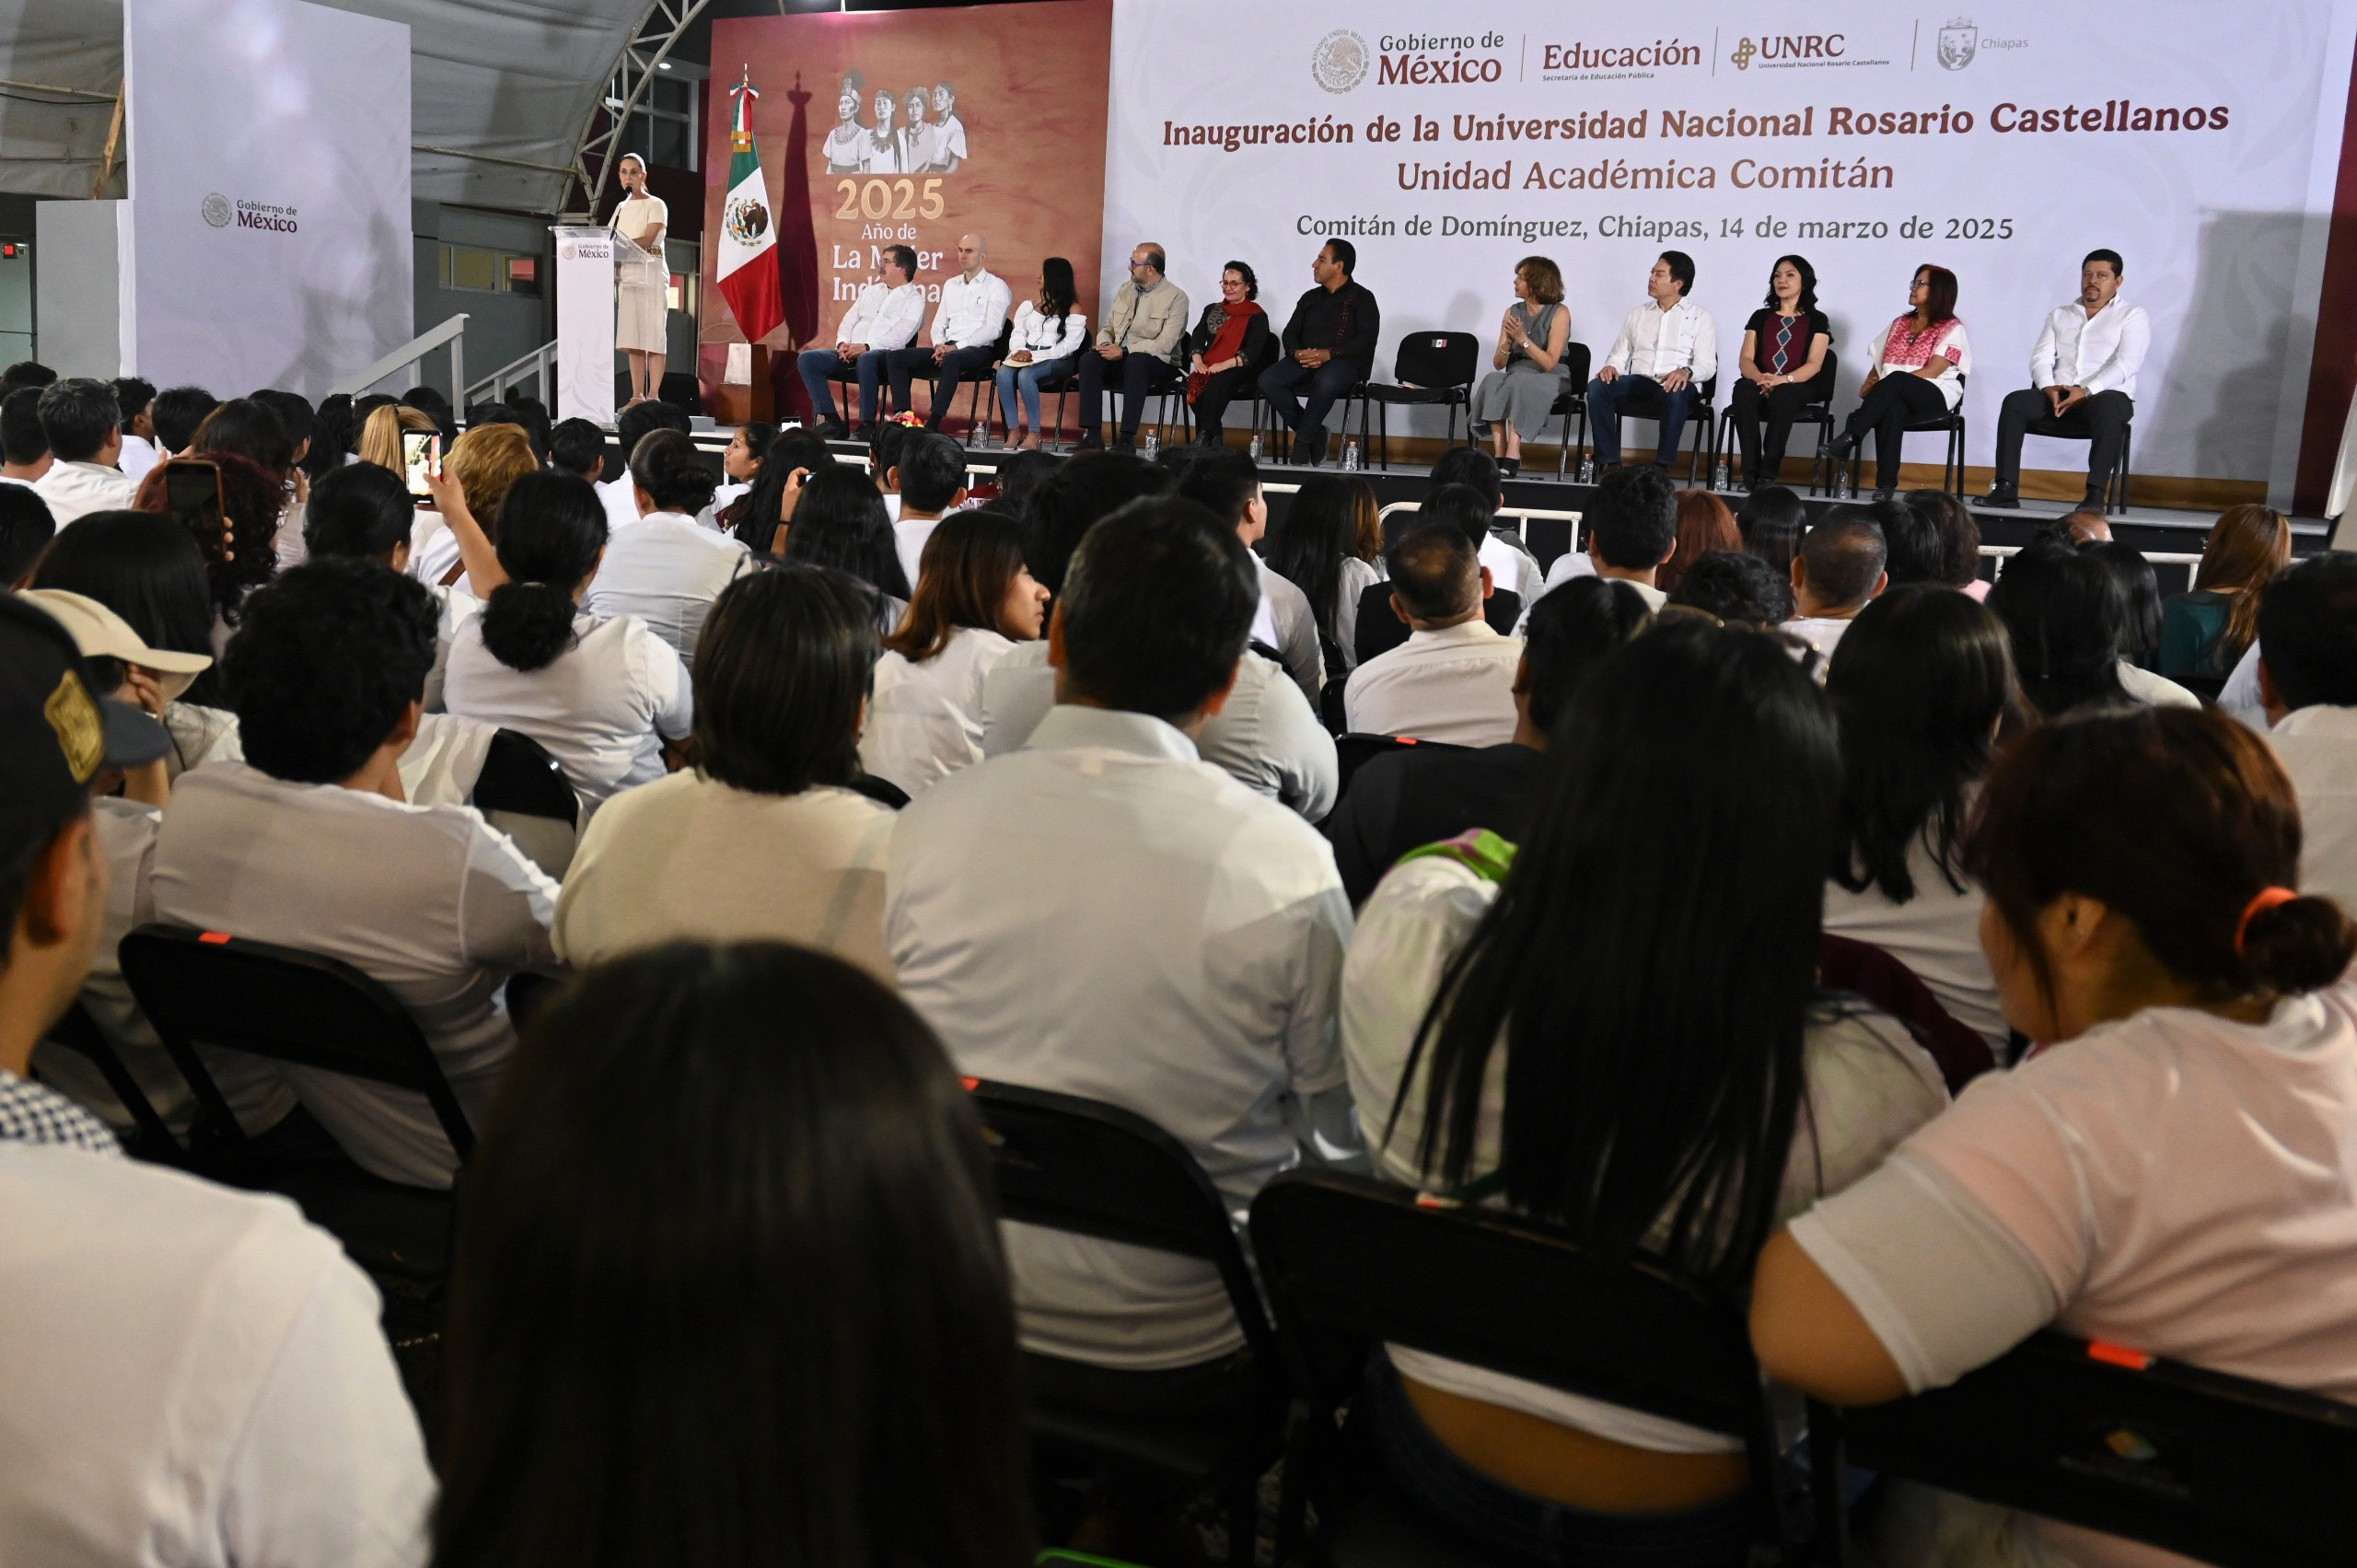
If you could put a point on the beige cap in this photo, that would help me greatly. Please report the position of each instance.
(100, 633)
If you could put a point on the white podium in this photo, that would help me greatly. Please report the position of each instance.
(585, 323)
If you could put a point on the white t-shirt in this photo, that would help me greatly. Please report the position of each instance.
(2318, 749)
(1822, 632)
(2154, 691)
(1103, 915)
(75, 489)
(620, 498)
(665, 571)
(1352, 582)
(427, 900)
(2174, 1181)
(1287, 624)
(137, 457)
(195, 1376)
(1936, 935)
(1454, 685)
(910, 534)
(925, 720)
(603, 707)
(689, 858)
(1869, 1085)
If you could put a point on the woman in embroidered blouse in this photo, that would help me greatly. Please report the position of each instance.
(882, 154)
(1224, 350)
(1783, 367)
(1920, 361)
(846, 145)
(1048, 334)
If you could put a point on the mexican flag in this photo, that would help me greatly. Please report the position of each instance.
(747, 266)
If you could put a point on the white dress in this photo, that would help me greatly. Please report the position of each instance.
(641, 278)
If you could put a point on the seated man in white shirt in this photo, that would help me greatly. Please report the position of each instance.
(965, 335)
(84, 425)
(194, 1374)
(664, 566)
(2081, 381)
(136, 400)
(178, 411)
(885, 317)
(1667, 347)
(615, 490)
(1838, 571)
(2307, 682)
(1453, 679)
(1378, 629)
(1226, 483)
(929, 475)
(310, 842)
(24, 445)
(1503, 550)
(1103, 915)
(1631, 529)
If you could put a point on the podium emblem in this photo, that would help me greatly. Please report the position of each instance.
(216, 210)
(1958, 42)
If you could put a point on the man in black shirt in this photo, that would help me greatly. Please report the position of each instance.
(1329, 344)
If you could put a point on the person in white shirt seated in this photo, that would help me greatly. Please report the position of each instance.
(604, 695)
(1666, 349)
(135, 399)
(741, 467)
(1049, 335)
(635, 423)
(24, 445)
(1503, 550)
(1840, 570)
(84, 425)
(1329, 546)
(763, 838)
(1465, 507)
(1103, 915)
(2168, 1169)
(194, 1374)
(1615, 1027)
(885, 317)
(1920, 364)
(665, 568)
(929, 475)
(1226, 483)
(1631, 529)
(975, 602)
(178, 411)
(2081, 381)
(966, 326)
(1453, 679)
(2307, 681)
(840, 521)
(1923, 686)
(311, 842)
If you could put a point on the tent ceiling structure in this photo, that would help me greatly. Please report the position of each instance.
(501, 90)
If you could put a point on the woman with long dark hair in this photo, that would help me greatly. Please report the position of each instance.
(1049, 330)
(237, 540)
(2169, 1168)
(729, 1287)
(975, 600)
(1771, 521)
(1923, 684)
(756, 516)
(1920, 364)
(840, 521)
(1617, 1029)
(603, 695)
(1781, 368)
(741, 466)
(2067, 618)
(2205, 631)
(1319, 545)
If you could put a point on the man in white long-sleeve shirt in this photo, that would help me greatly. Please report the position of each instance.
(886, 315)
(1667, 348)
(2082, 381)
(965, 333)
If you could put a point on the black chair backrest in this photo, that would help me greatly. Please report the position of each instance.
(2230, 1471)
(1829, 377)
(1354, 750)
(152, 1137)
(206, 988)
(1436, 359)
(1096, 1169)
(520, 775)
(1575, 366)
(1349, 1261)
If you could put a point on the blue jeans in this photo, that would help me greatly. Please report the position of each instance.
(1644, 396)
(815, 363)
(1517, 1524)
(1024, 380)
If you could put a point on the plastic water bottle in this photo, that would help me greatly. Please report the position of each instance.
(1719, 475)
(1587, 470)
(1256, 445)
(1153, 446)
(1841, 491)
(1351, 456)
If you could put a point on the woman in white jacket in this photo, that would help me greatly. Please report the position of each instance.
(1048, 334)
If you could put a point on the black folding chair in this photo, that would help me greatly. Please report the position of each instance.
(1352, 1264)
(151, 1137)
(1428, 368)
(1951, 424)
(1094, 1169)
(2115, 483)
(1817, 411)
(1572, 401)
(522, 791)
(984, 385)
(1355, 749)
(2225, 1470)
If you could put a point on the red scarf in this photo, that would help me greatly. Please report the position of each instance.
(1225, 343)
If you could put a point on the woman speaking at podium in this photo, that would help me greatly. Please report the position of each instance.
(642, 279)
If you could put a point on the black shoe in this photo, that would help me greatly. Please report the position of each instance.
(1885, 495)
(1092, 442)
(833, 430)
(1313, 445)
(2001, 494)
(1844, 445)
(2095, 501)
(1509, 467)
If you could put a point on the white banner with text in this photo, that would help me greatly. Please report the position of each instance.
(2200, 141)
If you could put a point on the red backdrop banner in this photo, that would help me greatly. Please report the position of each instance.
(1010, 145)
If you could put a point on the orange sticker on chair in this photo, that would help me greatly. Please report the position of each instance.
(2118, 1356)
(214, 937)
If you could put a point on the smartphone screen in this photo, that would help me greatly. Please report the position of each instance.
(421, 457)
(192, 490)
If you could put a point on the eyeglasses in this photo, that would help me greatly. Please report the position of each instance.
(1919, 282)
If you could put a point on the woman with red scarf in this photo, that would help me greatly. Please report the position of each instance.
(1228, 346)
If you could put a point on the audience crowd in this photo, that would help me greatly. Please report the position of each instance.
(829, 789)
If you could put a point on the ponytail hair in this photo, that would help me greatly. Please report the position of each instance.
(2180, 819)
(665, 465)
(551, 529)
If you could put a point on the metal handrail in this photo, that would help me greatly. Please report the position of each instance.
(2001, 553)
(540, 364)
(1522, 514)
(411, 355)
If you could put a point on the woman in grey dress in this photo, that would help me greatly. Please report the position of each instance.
(1515, 397)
